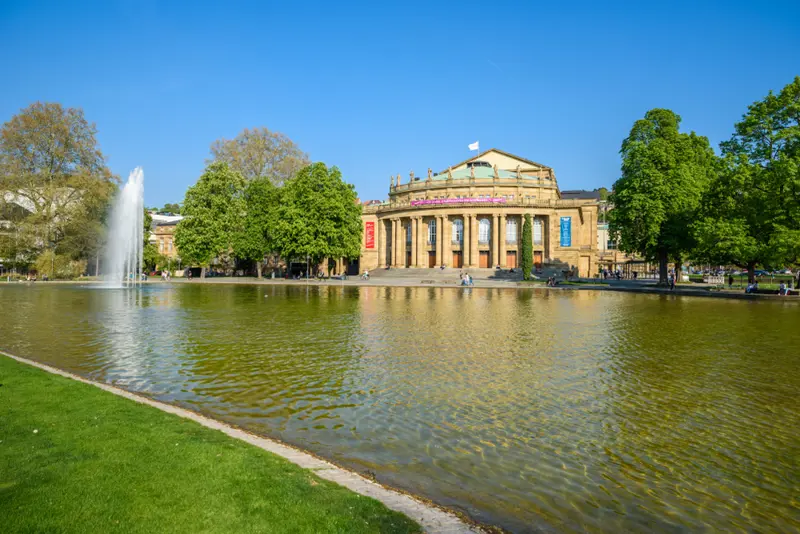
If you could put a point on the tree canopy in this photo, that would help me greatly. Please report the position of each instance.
(664, 176)
(54, 182)
(261, 153)
(213, 210)
(751, 215)
(318, 216)
(254, 237)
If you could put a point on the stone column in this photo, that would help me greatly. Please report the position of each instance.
(422, 241)
(395, 243)
(465, 244)
(501, 232)
(474, 255)
(495, 241)
(439, 244)
(413, 223)
(382, 246)
(447, 238)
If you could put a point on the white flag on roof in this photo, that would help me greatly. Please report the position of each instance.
(474, 146)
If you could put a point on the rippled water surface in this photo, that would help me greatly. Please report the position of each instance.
(564, 411)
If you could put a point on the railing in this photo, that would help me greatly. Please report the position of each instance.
(529, 203)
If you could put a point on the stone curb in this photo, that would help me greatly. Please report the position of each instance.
(432, 519)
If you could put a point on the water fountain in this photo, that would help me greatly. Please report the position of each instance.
(123, 255)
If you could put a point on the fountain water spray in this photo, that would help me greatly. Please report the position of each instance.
(123, 255)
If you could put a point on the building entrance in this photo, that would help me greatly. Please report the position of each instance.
(537, 259)
(458, 259)
(511, 259)
(483, 262)
(431, 259)
(408, 258)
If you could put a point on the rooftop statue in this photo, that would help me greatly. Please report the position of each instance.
(496, 174)
(430, 174)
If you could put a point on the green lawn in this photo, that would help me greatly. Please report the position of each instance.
(74, 458)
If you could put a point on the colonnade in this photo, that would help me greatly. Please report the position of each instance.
(398, 251)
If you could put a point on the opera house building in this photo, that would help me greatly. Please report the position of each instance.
(471, 215)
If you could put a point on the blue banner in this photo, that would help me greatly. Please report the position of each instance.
(566, 231)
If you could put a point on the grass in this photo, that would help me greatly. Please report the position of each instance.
(74, 458)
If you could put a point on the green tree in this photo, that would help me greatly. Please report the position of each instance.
(172, 208)
(260, 153)
(213, 209)
(751, 215)
(51, 167)
(603, 193)
(254, 236)
(527, 248)
(150, 253)
(664, 175)
(318, 216)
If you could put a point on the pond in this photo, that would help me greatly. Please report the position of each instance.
(565, 411)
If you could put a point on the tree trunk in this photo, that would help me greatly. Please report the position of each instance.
(662, 267)
(258, 269)
(751, 272)
(202, 273)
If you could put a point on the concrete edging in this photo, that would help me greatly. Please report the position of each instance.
(432, 519)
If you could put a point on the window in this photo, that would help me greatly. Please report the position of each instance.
(432, 232)
(408, 235)
(458, 231)
(537, 231)
(511, 231)
(484, 227)
(160, 246)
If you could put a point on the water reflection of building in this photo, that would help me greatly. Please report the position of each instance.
(471, 215)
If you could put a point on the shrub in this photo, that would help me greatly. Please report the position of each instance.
(57, 266)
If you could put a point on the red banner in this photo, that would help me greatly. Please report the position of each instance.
(370, 235)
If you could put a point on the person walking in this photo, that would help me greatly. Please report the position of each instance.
(730, 281)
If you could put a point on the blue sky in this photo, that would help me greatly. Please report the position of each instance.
(379, 89)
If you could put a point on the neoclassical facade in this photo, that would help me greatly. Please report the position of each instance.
(471, 216)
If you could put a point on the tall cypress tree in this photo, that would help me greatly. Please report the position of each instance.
(527, 248)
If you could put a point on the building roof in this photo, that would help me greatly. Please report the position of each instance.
(507, 154)
(480, 172)
(580, 194)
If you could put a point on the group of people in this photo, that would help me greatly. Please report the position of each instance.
(466, 279)
(613, 274)
(166, 276)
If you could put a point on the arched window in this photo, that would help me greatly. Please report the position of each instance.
(484, 230)
(432, 232)
(458, 231)
(511, 230)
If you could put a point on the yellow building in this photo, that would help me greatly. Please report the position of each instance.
(165, 240)
(471, 215)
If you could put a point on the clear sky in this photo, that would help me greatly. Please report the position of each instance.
(380, 89)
